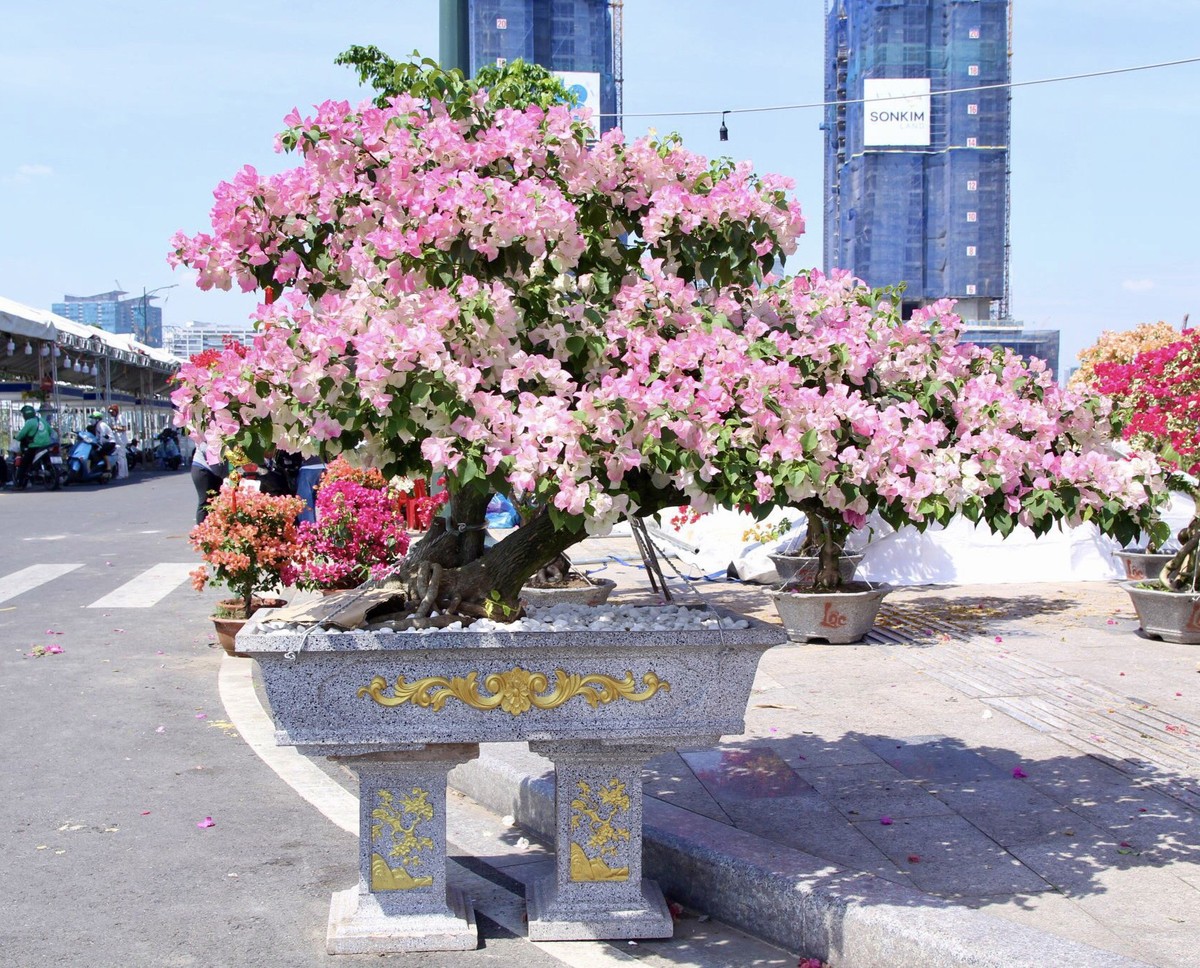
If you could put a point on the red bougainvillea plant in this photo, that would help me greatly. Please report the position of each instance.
(1156, 398)
(470, 285)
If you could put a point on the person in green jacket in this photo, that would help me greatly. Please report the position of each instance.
(33, 436)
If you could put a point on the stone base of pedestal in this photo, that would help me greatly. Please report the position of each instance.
(555, 918)
(359, 926)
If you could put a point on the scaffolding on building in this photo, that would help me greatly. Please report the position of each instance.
(932, 215)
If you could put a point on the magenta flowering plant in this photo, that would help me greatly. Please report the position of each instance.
(1156, 401)
(472, 288)
(360, 533)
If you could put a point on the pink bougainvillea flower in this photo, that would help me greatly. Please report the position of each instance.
(1018, 773)
(145, 813)
(206, 822)
(914, 858)
(202, 715)
(999, 638)
(54, 650)
(886, 821)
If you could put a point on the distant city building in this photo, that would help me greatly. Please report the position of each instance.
(573, 38)
(1041, 343)
(136, 315)
(192, 337)
(917, 182)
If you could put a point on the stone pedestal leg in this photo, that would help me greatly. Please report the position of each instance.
(402, 902)
(597, 890)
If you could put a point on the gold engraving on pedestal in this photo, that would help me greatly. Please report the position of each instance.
(594, 814)
(515, 691)
(401, 820)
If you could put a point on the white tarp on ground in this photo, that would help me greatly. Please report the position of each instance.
(960, 553)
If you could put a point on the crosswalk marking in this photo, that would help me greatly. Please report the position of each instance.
(22, 581)
(149, 588)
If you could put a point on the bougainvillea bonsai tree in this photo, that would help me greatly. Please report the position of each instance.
(458, 281)
(1156, 398)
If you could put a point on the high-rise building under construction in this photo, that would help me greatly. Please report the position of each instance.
(917, 148)
(580, 40)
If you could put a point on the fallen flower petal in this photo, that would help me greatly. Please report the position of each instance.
(914, 858)
(999, 639)
(1018, 773)
(886, 821)
(54, 650)
(202, 715)
(1126, 843)
(145, 813)
(206, 822)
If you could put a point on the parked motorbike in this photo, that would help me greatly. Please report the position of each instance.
(133, 455)
(87, 462)
(45, 468)
(167, 453)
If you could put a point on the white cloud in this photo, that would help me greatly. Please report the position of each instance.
(1137, 285)
(24, 174)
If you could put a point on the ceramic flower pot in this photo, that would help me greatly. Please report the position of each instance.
(594, 594)
(1142, 565)
(804, 568)
(402, 709)
(228, 628)
(838, 618)
(1170, 616)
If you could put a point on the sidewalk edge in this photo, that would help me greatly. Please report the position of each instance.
(783, 895)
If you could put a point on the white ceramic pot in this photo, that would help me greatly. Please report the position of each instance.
(1166, 615)
(804, 568)
(838, 618)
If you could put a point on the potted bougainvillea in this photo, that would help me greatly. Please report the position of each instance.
(1121, 348)
(459, 281)
(360, 532)
(1157, 401)
(248, 540)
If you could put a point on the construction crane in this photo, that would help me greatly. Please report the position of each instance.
(617, 12)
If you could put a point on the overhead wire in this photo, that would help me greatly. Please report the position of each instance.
(863, 100)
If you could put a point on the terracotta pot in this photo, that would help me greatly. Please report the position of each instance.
(1142, 565)
(838, 618)
(228, 628)
(804, 568)
(1170, 616)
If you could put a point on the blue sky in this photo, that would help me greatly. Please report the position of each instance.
(118, 119)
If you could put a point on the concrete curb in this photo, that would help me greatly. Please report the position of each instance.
(782, 895)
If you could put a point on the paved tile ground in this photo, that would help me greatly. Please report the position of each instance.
(1017, 748)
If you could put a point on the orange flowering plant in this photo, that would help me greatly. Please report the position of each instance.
(247, 540)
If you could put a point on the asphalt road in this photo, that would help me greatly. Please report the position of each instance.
(117, 748)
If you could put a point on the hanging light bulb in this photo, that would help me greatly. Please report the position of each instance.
(57, 350)
(77, 367)
(724, 132)
(28, 348)
(45, 350)
(95, 370)
(12, 347)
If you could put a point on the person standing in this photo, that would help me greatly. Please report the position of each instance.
(208, 470)
(122, 439)
(33, 435)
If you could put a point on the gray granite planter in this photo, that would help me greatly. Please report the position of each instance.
(838, 618)
(402, 709)
(803, 568)
(1170, 616)
(1142, 565)
(596, 594)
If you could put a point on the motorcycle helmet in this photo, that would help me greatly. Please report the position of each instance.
(113, 411)
(27, 411)
(95, 415)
